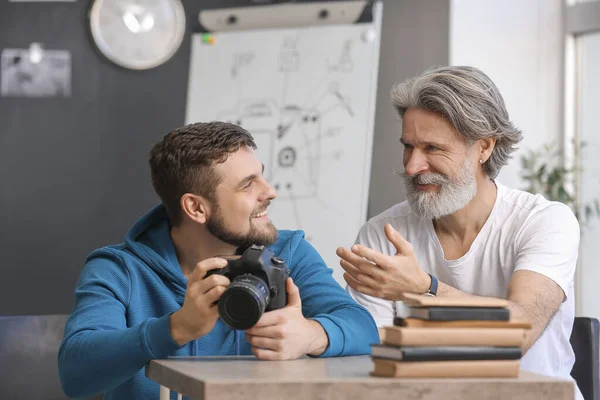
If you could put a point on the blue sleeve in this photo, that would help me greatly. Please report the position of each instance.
(349, 326)
(99, 351)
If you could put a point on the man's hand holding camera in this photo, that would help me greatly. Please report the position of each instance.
(280, 334)
(376, 274)
(285, 334)
(199, 313)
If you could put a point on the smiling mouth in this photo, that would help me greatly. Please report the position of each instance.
(260, 214)
(426, 186)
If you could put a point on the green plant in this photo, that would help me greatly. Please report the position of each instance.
(544, 173)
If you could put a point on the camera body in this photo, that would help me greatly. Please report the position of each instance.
(258, 284)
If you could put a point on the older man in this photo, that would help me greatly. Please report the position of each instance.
(461, 232)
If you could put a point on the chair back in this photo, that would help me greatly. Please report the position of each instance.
(584, 340)
(29, 355)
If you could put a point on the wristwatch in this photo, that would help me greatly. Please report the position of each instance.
(432, 287)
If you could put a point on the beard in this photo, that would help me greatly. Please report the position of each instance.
(454, 194)
(266, 237)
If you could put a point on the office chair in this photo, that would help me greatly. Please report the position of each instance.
(29, 355)
(584, 340)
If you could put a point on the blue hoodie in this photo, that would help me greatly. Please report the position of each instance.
(126, 294)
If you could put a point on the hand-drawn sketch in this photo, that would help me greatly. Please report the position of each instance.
(344, 63)
(240, 60)
(292, 136)
(288, 56)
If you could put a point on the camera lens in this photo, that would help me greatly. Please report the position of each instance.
(244, 302)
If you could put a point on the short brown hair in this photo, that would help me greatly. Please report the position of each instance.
(183, 161)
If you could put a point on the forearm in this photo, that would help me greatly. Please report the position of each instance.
(180, 331)
(350, 329)
(320, 341)
(518, 312)
(94, 361)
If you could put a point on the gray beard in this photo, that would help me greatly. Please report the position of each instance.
(454, 194)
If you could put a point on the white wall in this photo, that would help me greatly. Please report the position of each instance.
(589, 104)
(518, 43)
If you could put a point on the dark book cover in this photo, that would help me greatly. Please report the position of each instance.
(445, 353)
(423, 323)
(460, 313)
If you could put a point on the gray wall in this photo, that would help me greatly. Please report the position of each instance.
(415, 36)
(73, 172)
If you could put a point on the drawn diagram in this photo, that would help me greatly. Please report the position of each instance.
(288, 56)
(291, 138)
(289, 134)
(306, 95)
(239, 61)
(344, 63)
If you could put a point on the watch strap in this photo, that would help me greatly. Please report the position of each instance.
(433, 287)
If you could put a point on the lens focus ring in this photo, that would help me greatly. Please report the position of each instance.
(243, 302)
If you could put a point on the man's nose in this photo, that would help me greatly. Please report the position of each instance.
(415, 163)
(269, 193)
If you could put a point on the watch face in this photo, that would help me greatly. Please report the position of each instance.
(138, 34)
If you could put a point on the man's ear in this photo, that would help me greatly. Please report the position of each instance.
(195, 207)
(486, 147)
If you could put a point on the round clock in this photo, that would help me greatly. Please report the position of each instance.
(137, 34)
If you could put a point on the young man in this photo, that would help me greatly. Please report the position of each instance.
(461, 232)
(150, 297)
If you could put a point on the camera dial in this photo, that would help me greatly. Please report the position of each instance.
(277, 260)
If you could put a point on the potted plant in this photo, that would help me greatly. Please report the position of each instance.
(544, 172)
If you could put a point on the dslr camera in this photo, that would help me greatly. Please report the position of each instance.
(258, 284)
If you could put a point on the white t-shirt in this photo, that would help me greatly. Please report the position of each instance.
(523, 232)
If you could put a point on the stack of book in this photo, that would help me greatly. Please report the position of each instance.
(444, 337)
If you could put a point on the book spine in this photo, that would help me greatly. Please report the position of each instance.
(453, 337)
(447, 369)
(415, 322)
(447, 353)
(474, 314)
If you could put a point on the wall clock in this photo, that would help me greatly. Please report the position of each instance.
(137, 34)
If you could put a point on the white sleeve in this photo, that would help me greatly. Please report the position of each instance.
(549, 245)
(382, 311)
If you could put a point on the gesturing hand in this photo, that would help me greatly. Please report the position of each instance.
(373, 273)
(285, 334)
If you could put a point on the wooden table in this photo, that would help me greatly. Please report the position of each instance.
(343, 378)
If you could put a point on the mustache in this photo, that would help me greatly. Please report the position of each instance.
(264, 208)
(431, 178)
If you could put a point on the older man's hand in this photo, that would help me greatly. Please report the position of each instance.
(387, 277)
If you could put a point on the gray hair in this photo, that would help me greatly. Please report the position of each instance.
(470, 101)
